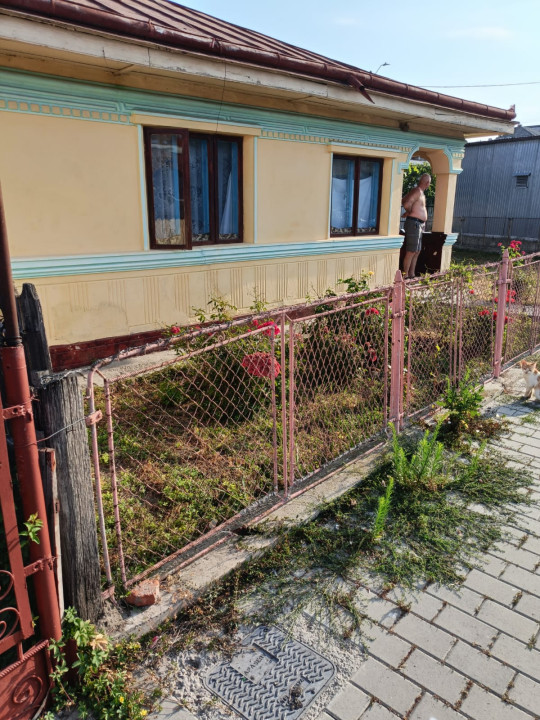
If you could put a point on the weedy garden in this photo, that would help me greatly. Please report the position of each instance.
(253, 409)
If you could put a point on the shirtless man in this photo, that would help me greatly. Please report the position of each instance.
(414, 203)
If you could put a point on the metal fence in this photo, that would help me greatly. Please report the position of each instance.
(251, 412)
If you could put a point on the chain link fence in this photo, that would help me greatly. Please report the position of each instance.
(250, 412)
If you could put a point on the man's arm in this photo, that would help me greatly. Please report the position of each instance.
(409, 199)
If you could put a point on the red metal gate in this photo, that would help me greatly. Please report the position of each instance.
(27, 579)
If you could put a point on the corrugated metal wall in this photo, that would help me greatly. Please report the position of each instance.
(487, 192)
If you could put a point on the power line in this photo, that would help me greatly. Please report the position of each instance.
(456, 87)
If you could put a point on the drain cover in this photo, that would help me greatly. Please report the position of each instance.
(272, 678)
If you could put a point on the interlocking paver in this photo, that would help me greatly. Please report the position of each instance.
(434, 676)
(529, 605)
(480, 667)
(493, 565)
(482, 705)
(509, 621)
(387, 685)
(386, 646)
(526, 694)
(532, 544)
(523, 579)
(349, 704)
(420, 603)
(462, 598)
(378, 712)
(517, 556)
(491, 587)
(429, 708)
(517, 654)
(466, 627)
(419, 632)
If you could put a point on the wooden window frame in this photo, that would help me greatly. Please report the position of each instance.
(356, 232)
(183, 136)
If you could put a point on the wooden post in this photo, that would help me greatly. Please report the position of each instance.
(61, 417)
(59, 414)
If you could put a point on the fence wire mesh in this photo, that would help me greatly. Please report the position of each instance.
(247, 408)
(339, 388)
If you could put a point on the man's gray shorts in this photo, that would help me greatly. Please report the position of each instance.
(414, 228)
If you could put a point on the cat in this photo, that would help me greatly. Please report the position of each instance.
(532, 380)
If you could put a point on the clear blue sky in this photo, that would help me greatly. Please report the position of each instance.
(461, 42)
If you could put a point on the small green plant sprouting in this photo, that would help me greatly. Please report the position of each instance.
(382, 510)
(220, 310)
(462, 402)
(101, 685)
(31, 532)
(424, 469)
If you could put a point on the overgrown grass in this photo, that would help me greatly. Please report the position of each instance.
(433, 531)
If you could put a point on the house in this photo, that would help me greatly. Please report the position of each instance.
(498, 193)
(153, 156)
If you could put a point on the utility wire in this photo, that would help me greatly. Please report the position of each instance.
(428, 87)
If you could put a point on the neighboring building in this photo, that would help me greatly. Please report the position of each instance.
(498, 193)
(152, 156)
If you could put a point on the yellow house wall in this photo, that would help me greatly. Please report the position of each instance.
(70, 186)
(81, 308)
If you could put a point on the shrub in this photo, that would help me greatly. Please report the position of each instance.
(462, 401)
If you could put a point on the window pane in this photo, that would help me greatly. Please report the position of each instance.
(199, 190)
(368, 196)
(167, 189)
(341, 220)
(227, 189)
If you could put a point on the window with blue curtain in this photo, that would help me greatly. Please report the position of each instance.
(356, 195)
(195, 196)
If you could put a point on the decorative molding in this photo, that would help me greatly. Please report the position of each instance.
(44, 94)
(64, 265)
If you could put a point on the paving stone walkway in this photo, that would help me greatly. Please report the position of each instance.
(472, 653)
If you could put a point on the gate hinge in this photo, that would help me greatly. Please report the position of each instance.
(93, 418)
(40, 564)
(17, 411)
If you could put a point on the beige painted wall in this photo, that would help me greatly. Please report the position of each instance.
(70, 186)
(87, 307)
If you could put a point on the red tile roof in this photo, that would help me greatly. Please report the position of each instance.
(166, 23)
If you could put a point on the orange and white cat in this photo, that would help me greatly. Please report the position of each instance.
(532, 380)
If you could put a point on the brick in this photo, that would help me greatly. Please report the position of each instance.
(517, 654)
(466, 627)
(386, 685)
(509, 621)
(532, 544)
(378, 712)
(491, 587)
(386, 646)
(145, 594)
(529, 606)
(170, 710)
(524, 579)
(349, 704)
(482, 705)
(532, 526)
(525, 693)
(324, 716)
(435, 677)
(432, 709)
(464, 599)
(493, 565)
(377, 609)
(421, 603)
(480, 667)
(419, 632)
(517, 556)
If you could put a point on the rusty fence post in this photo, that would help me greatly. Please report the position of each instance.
(398, 351)
(501, 313)
(19, 411)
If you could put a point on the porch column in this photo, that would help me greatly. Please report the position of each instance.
(443, 211)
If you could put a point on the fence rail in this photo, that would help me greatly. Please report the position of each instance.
(250, 412)
(503, 228)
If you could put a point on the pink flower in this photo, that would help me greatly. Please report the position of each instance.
(483, 313)
(471, 292)
(260, 364)
(176, 330)
(272, 328)
(372, 311)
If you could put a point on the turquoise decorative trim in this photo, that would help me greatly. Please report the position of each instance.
(451, 239)
(330, 194)
(391, 192)
(144, 197)
(44, 94)
(60, 266)
(255, 190)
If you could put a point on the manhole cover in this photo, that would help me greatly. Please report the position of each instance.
(272, 678)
